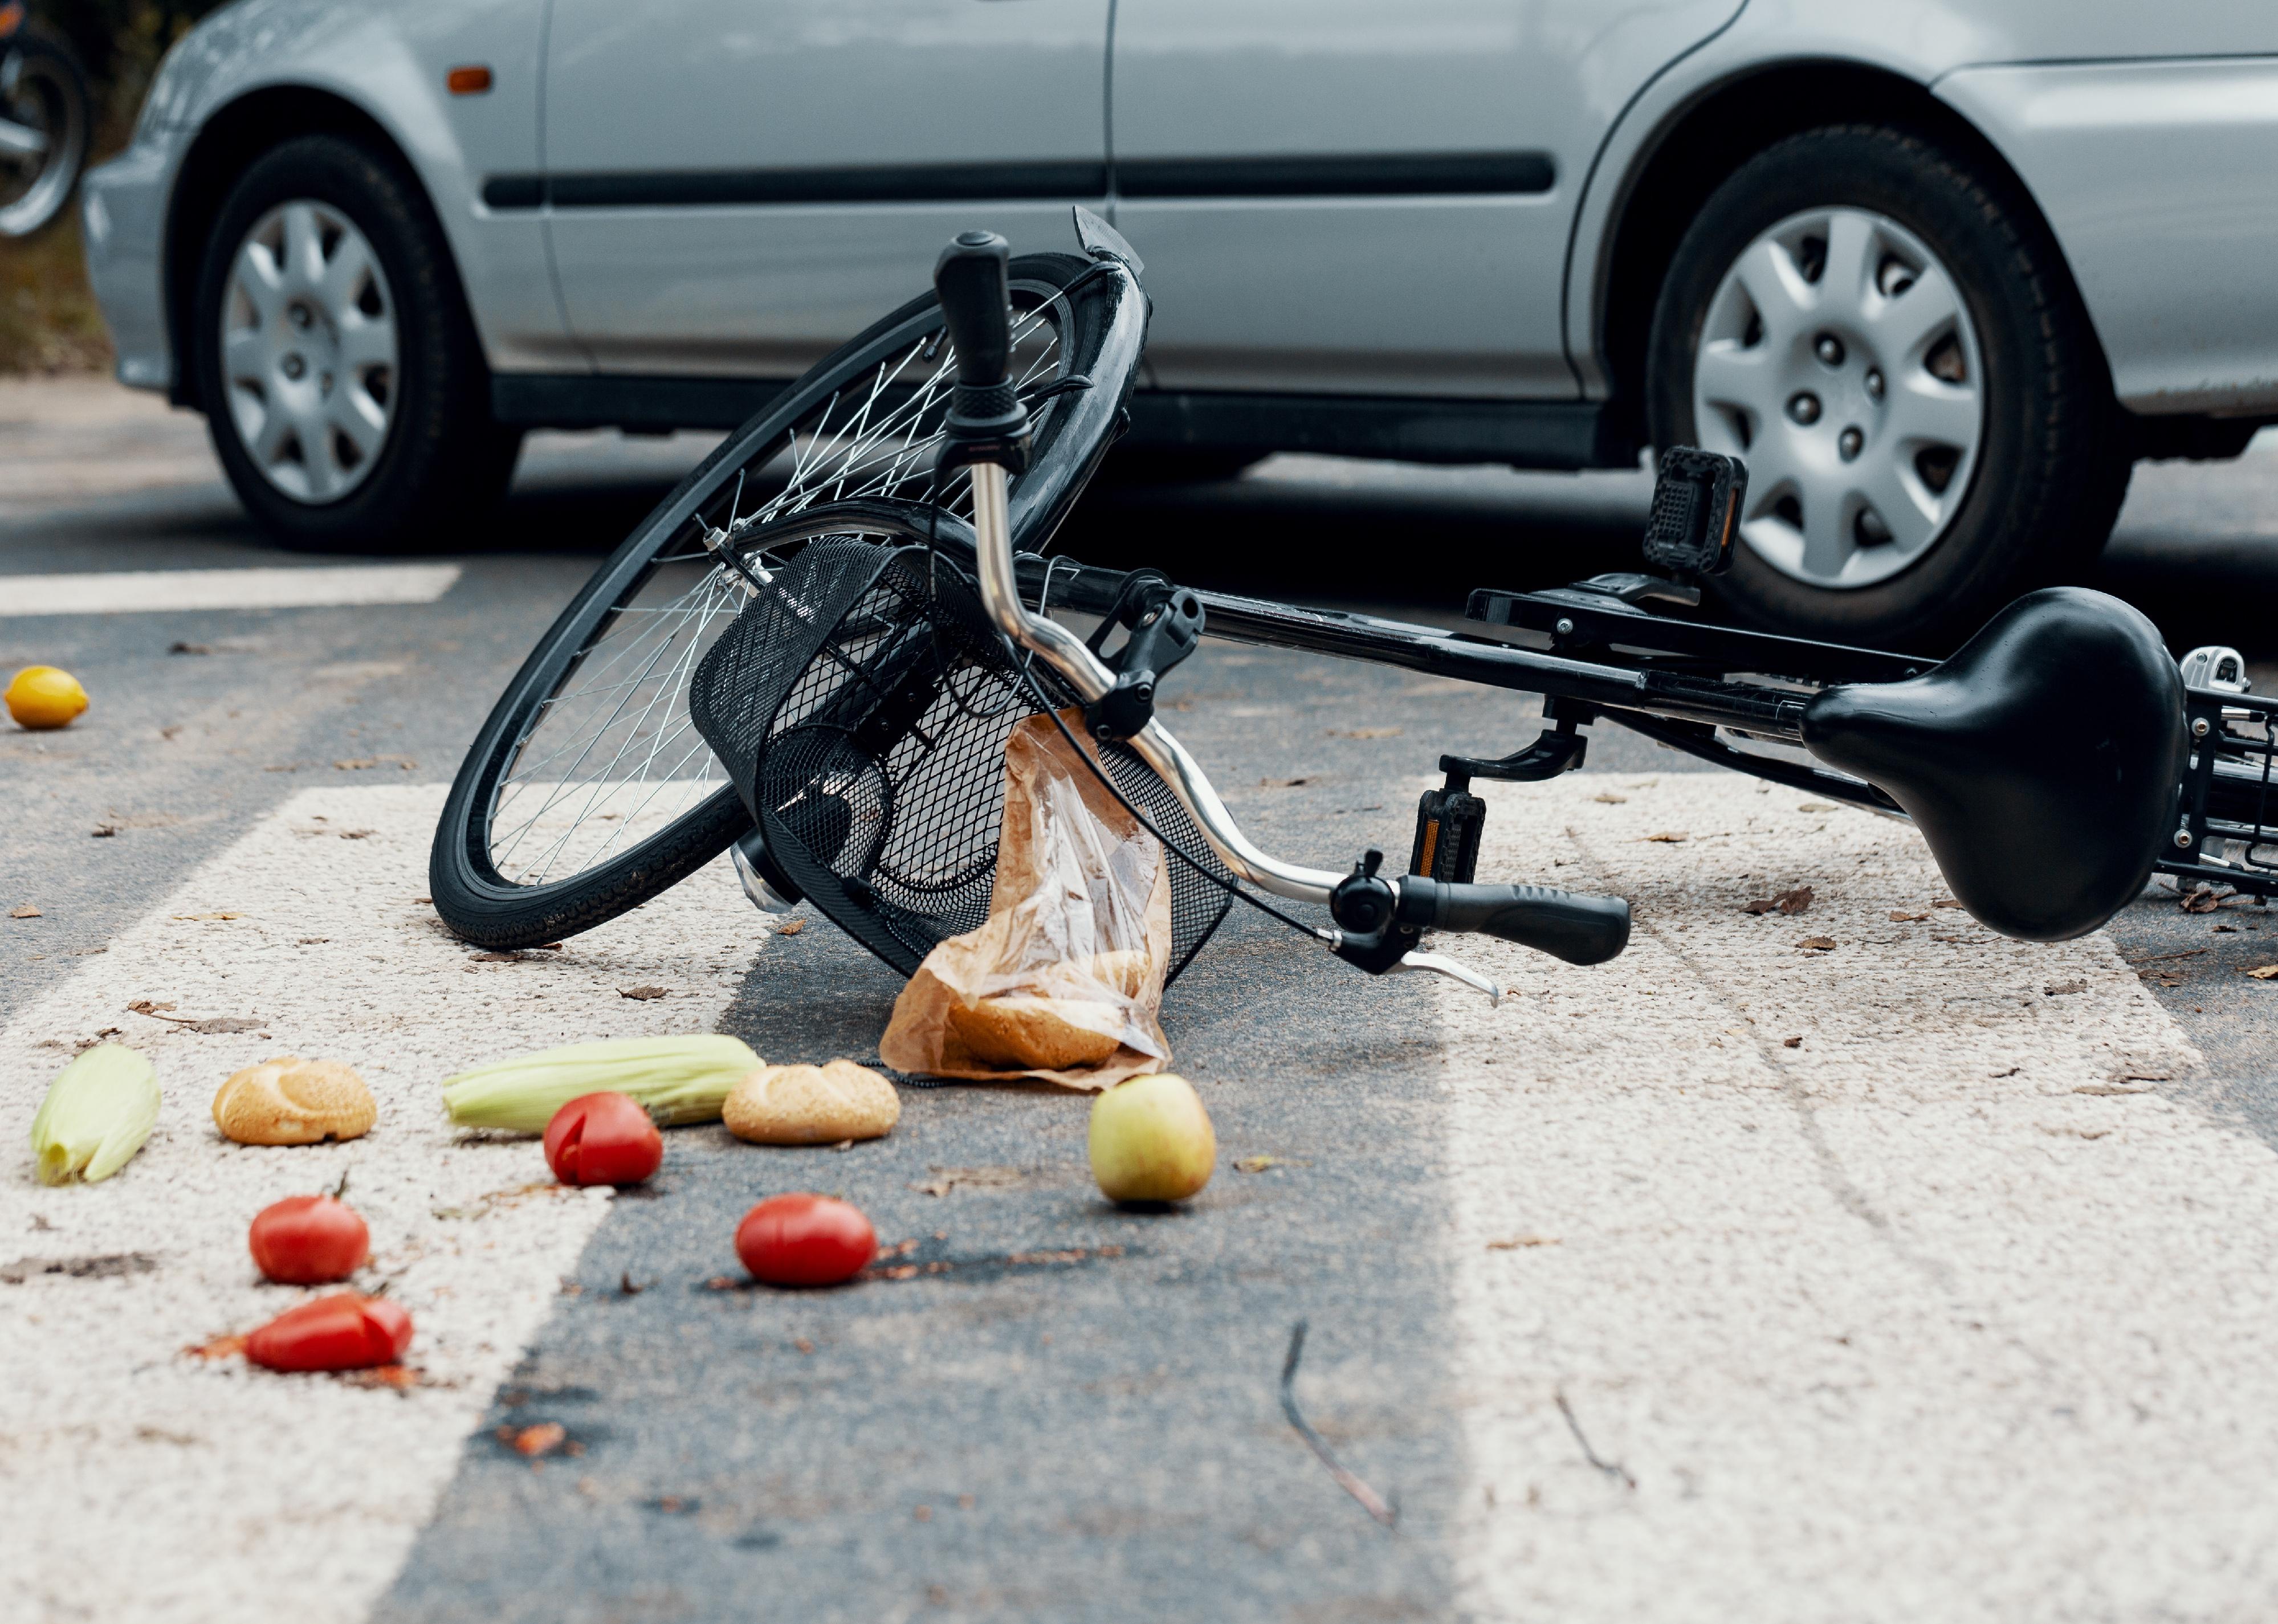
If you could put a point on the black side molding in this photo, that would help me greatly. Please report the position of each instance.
(1418, 174)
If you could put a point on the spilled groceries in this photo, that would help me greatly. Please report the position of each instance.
(1063, 980)
(344, 1331)
(805, 1240)
(1151, 1140)
(308, 1240)
(811, 1105)
(39, 697)
(97, 1113)
(676, 1080)
(603, 1139)
(289, 1101)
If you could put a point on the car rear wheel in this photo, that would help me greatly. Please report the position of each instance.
(1889, 339)
(343, 385)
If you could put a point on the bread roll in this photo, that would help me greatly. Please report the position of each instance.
(1126, 971)
(289, 1101)
(811, 1105)
(1019, 1030)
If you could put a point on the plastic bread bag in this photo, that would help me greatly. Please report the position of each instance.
(1063, 980)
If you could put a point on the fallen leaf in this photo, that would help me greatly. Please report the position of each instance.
(25, 911)
(1817, 944)
(1363, 733)
(206, 916)
(791, 927)
(1817, 806)
(2263, 973)
(357, 834)
(1945, 901)
(190, 648)
(2226, 930)
(1515, 1241)
(495, 958)
(103, 831)
(1909, 919)
(645, 994)
(1281, 784)
(1792, 902)
(1607, 798)
(213, 1024)
(2058, 989)
(103, 1266)
(1257, 1164)
(537, 1439)
(358, 764)
(1669, 837)
(1791, 1042)
(143, 1006)
(216, 1347)
(2204, 898)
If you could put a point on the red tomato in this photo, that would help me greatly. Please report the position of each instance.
(344, 1331)
(805, 1240)
(602, 1138)
(308, 1240)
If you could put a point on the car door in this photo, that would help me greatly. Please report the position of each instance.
(1352, 197)
(735, 186)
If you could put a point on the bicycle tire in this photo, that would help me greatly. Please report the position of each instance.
(1099, 334)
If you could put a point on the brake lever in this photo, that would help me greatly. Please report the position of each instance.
(1440, 964)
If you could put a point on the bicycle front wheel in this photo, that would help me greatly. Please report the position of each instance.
(588, 790)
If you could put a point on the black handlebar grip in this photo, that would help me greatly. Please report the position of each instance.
(1581, 930)
(973, 278)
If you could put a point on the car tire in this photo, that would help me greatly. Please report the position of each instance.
(390, 353)
(2030, 493)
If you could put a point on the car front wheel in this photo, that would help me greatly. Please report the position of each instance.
(343, 385)
(1888, 339)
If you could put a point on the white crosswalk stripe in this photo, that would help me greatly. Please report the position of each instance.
(145, 1484)
(158, 591)
(1944, 1312)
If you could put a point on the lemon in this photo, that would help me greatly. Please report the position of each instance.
(42, 697)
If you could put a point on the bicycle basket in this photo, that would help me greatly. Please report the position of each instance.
(862, 702)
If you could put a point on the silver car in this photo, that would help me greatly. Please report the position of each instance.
(1940, 270)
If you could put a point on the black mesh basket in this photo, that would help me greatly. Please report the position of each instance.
(862, 702)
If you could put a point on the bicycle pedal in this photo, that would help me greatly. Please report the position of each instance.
(1449, 822)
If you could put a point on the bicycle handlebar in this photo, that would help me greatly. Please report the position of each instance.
(1581, 930)
(973, 280)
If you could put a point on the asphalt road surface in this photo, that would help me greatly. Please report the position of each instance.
(1951, 1308)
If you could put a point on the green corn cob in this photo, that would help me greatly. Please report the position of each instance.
(680, 1079)
(98, 1111)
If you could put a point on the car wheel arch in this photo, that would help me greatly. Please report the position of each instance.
(230, 140)
(1702, 142)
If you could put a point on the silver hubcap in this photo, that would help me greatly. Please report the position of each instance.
(42, 140)
(1839, 360)
(308, 350)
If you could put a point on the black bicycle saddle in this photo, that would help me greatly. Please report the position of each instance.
(2040, 762)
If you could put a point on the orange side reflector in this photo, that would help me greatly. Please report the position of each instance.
(11, 18)
(469, 80)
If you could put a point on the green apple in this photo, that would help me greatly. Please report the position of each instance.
(1151, 1140)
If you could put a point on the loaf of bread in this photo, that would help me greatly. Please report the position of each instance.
(1023, 1031)
(289, 1101)
(811, 1105)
